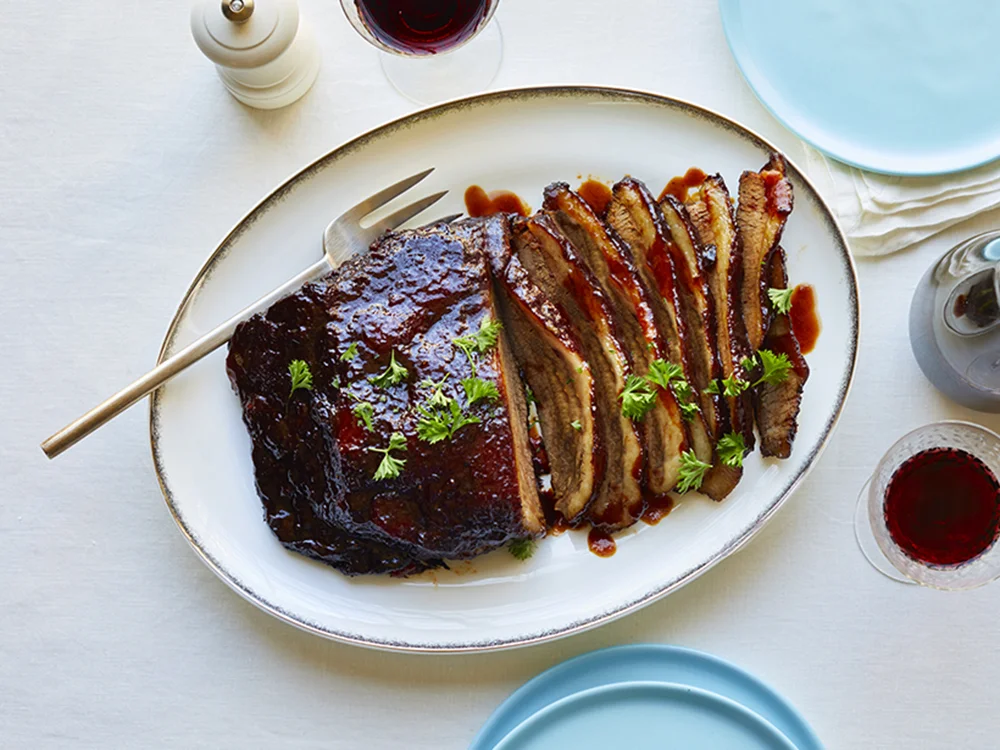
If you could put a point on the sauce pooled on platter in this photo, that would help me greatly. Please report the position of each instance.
(601, 543)
(679, 186)
(479, 203)
(803, 317)
(597, 195)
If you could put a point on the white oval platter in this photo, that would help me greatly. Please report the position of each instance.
(518, 140)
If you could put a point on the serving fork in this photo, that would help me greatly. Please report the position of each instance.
(343, 237)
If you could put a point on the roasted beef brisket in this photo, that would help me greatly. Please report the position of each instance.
(388, 403)
(379, 335)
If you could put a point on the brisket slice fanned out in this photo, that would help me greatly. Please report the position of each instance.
(614, 269)
(777, 406)
(635, 217)
(552, 263)
(409, 297)
(711, 214)
(764, 205)
(547, 349)
(692, 260)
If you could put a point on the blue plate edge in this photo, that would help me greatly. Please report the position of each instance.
(478, 741)
(963, 167)
(748, 715)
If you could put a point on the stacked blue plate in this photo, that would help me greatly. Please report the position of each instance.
(646, 696)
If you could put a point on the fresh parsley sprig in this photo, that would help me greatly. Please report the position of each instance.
(775, 367)
(437, 399)
(522, 549)
(662, 373)
(781, 299)
(394, 374)
(390, 466)
(366, 413)
(436, 425)
(302, 379)
(479, 342)
(576, 425)
(692, 472)
(731, 449)
(477, 389)
(637, 398)
(670, 375)
(730, 387)
(350, 352)
(689, 411)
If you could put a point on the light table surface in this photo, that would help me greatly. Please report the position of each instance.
(123, 162)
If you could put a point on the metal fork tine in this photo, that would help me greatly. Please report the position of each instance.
(382, 197)
(406, 213)
(443, 220)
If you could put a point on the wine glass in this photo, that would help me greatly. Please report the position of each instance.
(911, 536)
(432, 50)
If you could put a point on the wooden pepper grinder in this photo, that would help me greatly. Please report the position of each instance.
(263, 53)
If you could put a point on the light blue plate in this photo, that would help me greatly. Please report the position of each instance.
(641, 663)
(645, 716)
(897, 86)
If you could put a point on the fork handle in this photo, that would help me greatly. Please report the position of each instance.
(105, 412)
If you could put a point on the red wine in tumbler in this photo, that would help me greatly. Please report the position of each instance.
(423, 27)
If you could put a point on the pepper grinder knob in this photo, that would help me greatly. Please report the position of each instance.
(266, 57)
(237, 11)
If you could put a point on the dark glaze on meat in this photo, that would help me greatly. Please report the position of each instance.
(636, 218)
(711, 213)
(412, 294)
(777, 406)
(614, 269)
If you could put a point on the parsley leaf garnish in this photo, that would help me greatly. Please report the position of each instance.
(713, 388)
(637, 398)
(692, 472)
(477, 389)
(437, 399)
(661, 373)
(365, 412)
(731, 449)
(442, 424)
(481, 341)
(683, 390)
(576, 425)
(733, 386)
(776, 367)
(302, 378)
(781, 299)
(748, 363)
(350, 353)
(390, 466)
(529, 395)
(688, 411)
(522, 549)
(393, 374)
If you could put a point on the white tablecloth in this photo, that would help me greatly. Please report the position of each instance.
(122, 163)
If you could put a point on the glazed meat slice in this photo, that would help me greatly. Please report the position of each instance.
(711, 214)
(611, 263)
(288, 446)
(425, 447)
(553, 264)
(699, 312)
(637, 220)
(777, 406)
(548, 350)
(764, 205)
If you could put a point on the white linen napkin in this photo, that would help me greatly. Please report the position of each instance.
(882, 213)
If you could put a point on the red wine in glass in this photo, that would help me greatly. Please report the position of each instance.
(423, 27)
(943, 507)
